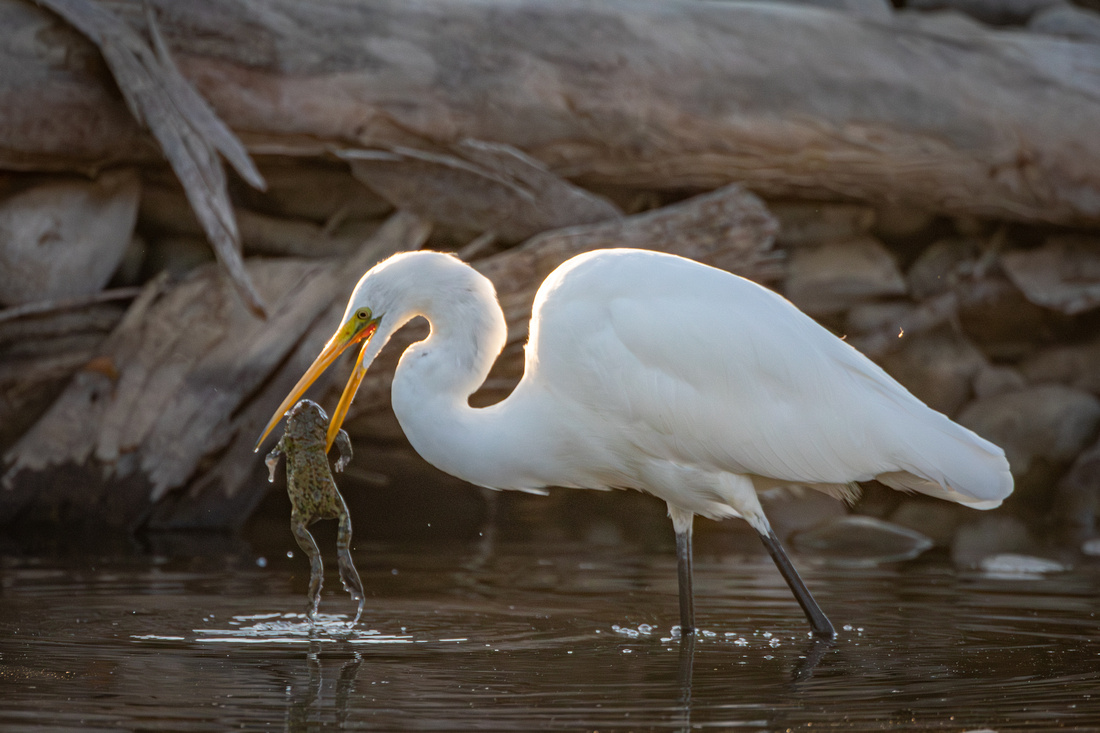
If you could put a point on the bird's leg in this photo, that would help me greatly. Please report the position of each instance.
(819, 622)
(681, 523)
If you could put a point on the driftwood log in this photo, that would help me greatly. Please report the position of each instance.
(183, 406)
(792, 101)
(518, 134)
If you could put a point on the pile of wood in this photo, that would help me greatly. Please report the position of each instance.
(926, 186)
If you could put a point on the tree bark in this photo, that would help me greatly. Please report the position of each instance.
(792, 101)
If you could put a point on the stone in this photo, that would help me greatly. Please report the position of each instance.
(938, 268)
(807, 224)
(992, 380)
(901, 222)
(869, 318)
(937, 520)
(1074, 365)
(1063, 274)
(1005, 325)
(1079, 490)
(937, 366)
(1042, 429)
(1067, 20)
(990, 535)
(176, 255)
(64, 238)
(795, 508)
(833, 277)
(856, 540)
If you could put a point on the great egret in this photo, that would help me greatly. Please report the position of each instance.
(652, 372)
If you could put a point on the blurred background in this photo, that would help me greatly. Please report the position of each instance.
(189, 192)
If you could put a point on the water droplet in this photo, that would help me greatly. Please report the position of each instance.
(261, 562)
(290, 553)
(847, 627)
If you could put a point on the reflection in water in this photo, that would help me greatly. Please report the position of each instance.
(305, 709)
(550, 636)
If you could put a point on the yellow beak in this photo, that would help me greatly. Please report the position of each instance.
(344, 338)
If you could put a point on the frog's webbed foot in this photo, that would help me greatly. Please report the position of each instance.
(343, 443)
(316, 568)
(272, 461)
(349, 576)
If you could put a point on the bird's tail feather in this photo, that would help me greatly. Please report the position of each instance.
(954, 464)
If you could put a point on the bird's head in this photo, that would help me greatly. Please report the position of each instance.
(359, 324)
(386, 297)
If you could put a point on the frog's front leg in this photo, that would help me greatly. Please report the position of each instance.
(272, 460)
(298, 525)
(349, 576)
(343, 443)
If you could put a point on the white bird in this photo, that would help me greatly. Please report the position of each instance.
(652, 372)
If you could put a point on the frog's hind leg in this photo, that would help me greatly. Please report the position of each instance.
(316, 567)
(349, 576)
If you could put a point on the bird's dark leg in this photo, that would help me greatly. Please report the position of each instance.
(682, 523)
(819, 623)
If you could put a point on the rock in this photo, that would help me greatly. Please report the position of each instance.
(1079, 490)
(1067, 20)
(795, 508)
(938, 366)
(939, 267)
(937, 520)
(993, 12)
(989, 535)
(1074, 365)
(834, 277)
(805, 224)
(859, 540)
(1042, 429)
(130, 267)
(992, 380)
(64, 238)
(869, 318)
(176, 255)
(1063, 274)
(901, 222)
(1005, 325)
(1012, 565)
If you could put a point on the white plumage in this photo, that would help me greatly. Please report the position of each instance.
(653, 372)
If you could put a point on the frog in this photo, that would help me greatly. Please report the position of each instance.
(314, 496)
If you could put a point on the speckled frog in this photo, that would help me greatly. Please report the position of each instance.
(313, 496)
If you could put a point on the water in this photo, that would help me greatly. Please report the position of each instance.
(553, 635)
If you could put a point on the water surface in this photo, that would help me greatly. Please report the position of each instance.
(553, 635)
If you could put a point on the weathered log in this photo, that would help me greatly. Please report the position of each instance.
(189, 133)
(63, 237)
(119, 438)
(479, 186)
(794, 101)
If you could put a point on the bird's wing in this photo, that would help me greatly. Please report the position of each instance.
(690, 365)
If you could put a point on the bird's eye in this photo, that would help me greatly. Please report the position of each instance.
(363, 314)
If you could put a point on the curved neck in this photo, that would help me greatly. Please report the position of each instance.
(435, 378)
